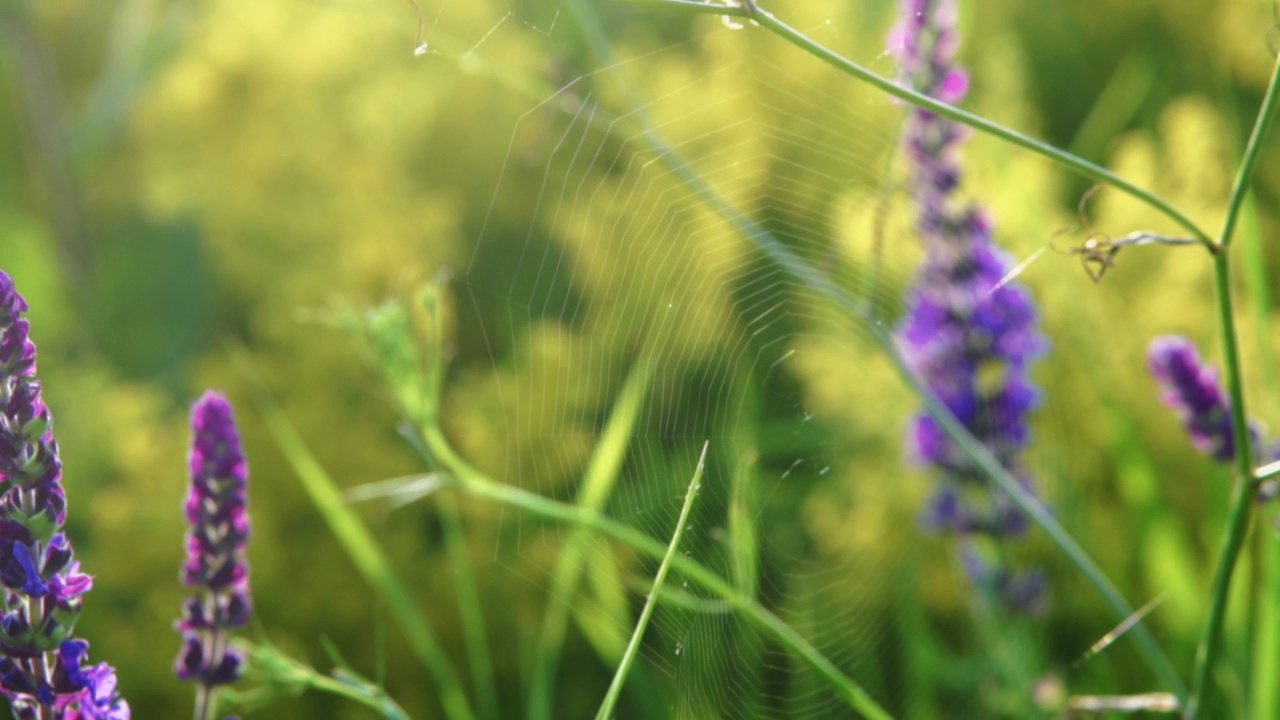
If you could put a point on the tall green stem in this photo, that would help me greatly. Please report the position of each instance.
(1244, 176)
(597, 485)
(629, 655)
(1246, 484)
(470, 610)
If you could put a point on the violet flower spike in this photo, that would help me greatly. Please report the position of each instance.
(216, 565)
(1190, 386)
(970, 336)
(41, 663)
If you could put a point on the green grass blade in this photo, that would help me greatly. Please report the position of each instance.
(284, 672)
(431, 300)
(385, 336)
(597, 485)
(743, 455)
(1266, 656)
(470, 611)
(367, 556)
(628, 656)
(472, 481)
(1121, 99)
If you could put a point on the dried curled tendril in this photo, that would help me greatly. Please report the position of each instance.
(420, 48)
(1098, 251)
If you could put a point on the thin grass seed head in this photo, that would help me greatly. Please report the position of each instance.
(216, 566)
(42, 666)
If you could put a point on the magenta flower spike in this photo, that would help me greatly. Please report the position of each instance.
(216, 565)
(969, 332)
(42, 670)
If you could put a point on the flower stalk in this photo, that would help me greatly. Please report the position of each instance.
(216, 566)
(42, 665)
(969, 332)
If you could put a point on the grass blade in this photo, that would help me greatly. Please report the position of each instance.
(366, 554)
(470, 611)
(628, 656)
(472, 481)
(284, 672)
(597, 486)
(385, 336)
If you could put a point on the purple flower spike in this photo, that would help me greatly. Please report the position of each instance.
(216, 507)
(970, 333)
(1190, 387)
(41, 665)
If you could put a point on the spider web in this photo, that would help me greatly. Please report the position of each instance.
(619, 231)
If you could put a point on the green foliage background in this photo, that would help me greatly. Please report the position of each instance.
(183, 181)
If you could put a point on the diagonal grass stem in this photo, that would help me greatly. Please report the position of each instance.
(628, 656)
(472, 481)
(365, 553)
(597, 485)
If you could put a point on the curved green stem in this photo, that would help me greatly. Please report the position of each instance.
(473, 481)
(1239, 520)
(629, 655)
(1251, 152)
(1079, 165)
(285, 672)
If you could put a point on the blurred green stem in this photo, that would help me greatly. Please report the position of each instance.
(283, 671)
(629, 655)
(365, 553)
(1089, 170)
(1265, 632)
(1244, 176)
(49, 142)
(470, 610)
(795, 266)
(597, 485)
(477, 483)
(1266, 656)
(1246, 484)
(469, 607)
